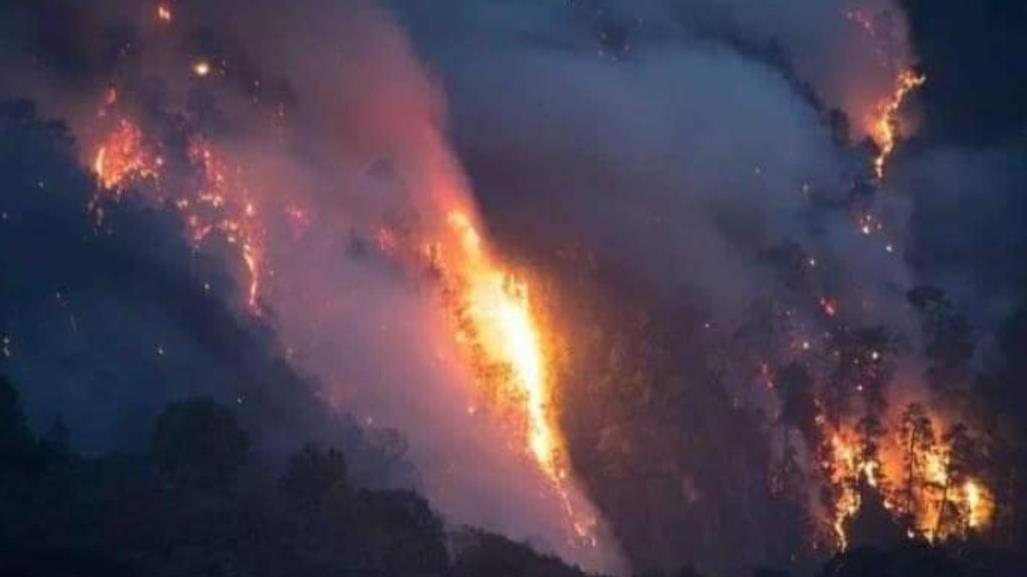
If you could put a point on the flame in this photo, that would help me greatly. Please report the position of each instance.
(493, 308)
(226, 209)
(846, 468)
(495, 316)
(978, 502)
(499, 306)
(884, 125)
(125, 158)
(122, 159)
(915, 482)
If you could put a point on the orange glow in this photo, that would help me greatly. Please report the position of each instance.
(496, 321)
(223, 208)
(201, 68)
(122, 160)
(164, 13)
(829, 306)
(215, 205)
(846, 468)
(916, 482)
(979, 504)
(884, 125)
(499, 306)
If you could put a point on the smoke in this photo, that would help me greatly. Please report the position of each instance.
(682, 140)
(102, 330)
(714, 154)
(696, 150)
(966, 166)
(329, 129)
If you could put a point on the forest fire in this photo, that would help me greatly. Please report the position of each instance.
(925, 483)
(884, 126)
(496, 321)
(126, 158)
(123, 159)
(493, 308)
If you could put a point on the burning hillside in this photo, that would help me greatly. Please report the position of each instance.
(635, 284)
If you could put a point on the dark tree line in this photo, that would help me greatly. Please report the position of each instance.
(200, 502)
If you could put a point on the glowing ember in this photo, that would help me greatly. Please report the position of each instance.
(219, 207)
(884, 126)
(829, 306)
(201, 68)
(123, 160)
(164, 13)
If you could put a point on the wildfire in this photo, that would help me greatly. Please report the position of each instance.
(220, 207)
(499, 306)
(884, 126)
(847, 468)
(923, 482)
(122, 159)
(125, 158)
(495, 318)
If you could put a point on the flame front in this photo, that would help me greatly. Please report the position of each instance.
(499, 306)
(915, 477)
(125, 158)
(884, 126)
(496, 319)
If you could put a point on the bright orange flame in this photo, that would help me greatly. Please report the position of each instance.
(218, 206)
(125, 158)
(122, 160)
(884, 126)
(846, 468)
(978, 503)
(497, 306)
(915, 481)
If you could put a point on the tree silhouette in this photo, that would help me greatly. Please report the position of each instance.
(313, 475)
(962, 458)
(198, 445)
(918, 439)
(798, 408)
(17, 445)
(950, 346)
